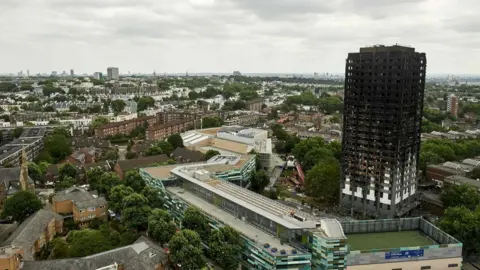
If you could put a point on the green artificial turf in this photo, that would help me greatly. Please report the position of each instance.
(387, 240)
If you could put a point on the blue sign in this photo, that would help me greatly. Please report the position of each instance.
(404, 254)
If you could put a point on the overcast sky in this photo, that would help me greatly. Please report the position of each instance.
(275, 36)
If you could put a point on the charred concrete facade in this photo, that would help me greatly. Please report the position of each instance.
(384, 88)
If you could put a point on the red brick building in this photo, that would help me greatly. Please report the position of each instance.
(124, 127)
(162, 131)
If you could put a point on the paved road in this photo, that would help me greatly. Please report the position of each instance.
(122, 151)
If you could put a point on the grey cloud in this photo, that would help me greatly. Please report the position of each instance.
(284, 9)
(254, 35)
(464, 24)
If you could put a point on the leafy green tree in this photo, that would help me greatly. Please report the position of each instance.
(186, 250)
(194, 220)
(330, 104)
(225, 247)
(64, 183)
(21, 205)
(117, 193)
(166, 147)
(336, 149)
(211, 122)
(118, 106)
(316, 155)
(144, 103)
(153, 151)
(35, 172)
(111, 154)
(427, 158)
(440, 148)
(98, 121)
(107, 182)
(460, 195)
(17, 132)
(323, 180)
(48, 109)
(73, 108)
(175, 141)
(161, 226)
(259, 180)
(93, 178)
(135, 212)
(134, 180)
(302, 148)
(87, 242)
(58, 147)
(67, 170)
(463, 223)
(60, 248)
(279, 132)
(154, 197)
(211, 153)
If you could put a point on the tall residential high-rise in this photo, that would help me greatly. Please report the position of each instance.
(384, 88)
(72, 72)
(452, 105)
(98, 75)
(113, 73)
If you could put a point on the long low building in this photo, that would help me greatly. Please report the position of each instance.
(31, 140)
(277, 236)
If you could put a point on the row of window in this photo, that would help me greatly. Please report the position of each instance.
(451, 265)
(91, 209)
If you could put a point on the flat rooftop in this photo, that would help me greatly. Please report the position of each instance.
(235, 163)
(270, 209)
(256, 235)
(388, 240)
(161, 171)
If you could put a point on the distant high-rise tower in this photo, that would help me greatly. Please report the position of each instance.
(72, 72)
(113, 73)
(384, 88)
(28, 73)
(452, 105)
(98, 75)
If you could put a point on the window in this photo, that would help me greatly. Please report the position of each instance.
(397, 269)
(91, 209)
(425, 267)
(453, 265)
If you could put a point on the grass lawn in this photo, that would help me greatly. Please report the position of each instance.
(386, 240)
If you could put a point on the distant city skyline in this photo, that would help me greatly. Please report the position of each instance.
(289, 36)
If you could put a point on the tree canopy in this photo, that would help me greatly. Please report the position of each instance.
(186, 250)
(211, 122)
(161, 226)
(135, 212)
(134, 180)
(460, 195)
(211, 153)
(225, 247)
(175, 140)
(21, 205)
(194, 220)
(259, 180)
(323, 180)
(117, 193)
(118, 106)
